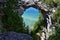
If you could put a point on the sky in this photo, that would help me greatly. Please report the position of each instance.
(30, 16)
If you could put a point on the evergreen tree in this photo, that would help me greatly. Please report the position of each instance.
(12, 21)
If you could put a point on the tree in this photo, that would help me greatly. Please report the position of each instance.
(12, 21)
(39, 23)
(38, 27)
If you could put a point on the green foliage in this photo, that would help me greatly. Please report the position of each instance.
(34, 36)
(56, 36)
(12, 3)
(12, 21)
(26, 29)
(56, 18)
(51, 1)
(57, 1)
(2, 29)
(38, 25)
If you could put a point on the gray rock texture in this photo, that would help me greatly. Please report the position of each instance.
(14, 36)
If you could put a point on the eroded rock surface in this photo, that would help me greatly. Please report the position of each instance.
(14, 36)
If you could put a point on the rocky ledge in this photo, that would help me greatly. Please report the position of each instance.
(14, 36)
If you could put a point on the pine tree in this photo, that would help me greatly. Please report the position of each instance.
(12, 21)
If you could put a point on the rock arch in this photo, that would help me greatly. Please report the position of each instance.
(24, 7)
(47, 14)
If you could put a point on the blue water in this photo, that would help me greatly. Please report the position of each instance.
(30, 16)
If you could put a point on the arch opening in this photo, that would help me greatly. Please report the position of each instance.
(30, 16)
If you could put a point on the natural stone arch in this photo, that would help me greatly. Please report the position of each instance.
(24, 7)
(43, 8)
(37, 7)
(47, 13)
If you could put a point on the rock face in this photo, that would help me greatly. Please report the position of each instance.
(14, 36)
